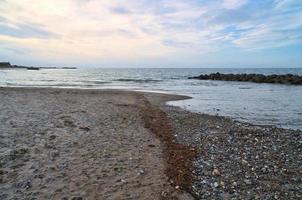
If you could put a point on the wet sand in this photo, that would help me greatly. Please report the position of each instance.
(113, 144)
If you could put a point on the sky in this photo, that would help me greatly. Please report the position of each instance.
(152, 33)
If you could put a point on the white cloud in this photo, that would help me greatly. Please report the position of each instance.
(233, 4)
(91, 29)
(84, 29)
(104, 30)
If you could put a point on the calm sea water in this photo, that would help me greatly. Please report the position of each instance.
(269, 104)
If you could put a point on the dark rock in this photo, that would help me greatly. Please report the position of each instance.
(5, 65)
(33, 68)
(288, 79)
(85, 128)
(52, 137)
(77, 198)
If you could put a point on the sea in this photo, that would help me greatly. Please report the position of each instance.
(257, 103)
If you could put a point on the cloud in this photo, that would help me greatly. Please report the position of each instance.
(120, 10)
(2, 19)
(233, 4)
(25, 31)
(130, 29)
(280, 28)
(177, 44)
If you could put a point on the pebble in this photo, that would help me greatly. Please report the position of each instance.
(245, 153)
(222, 183)
(216, 172)
(247, 181)
(244, 161)
(52, 137)
(77, 198)
(141, 172)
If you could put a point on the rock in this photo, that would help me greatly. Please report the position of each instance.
(245, 162)
(216, 172)
(247, 181)
(222, 183)
(52, 137)
(206, 172)
(288, 79)
(5, 65)
(225, 195)
(141, 172)
(264, 169)
(85, 128)
(77, 198)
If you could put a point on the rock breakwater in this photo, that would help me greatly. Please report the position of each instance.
(289, 79)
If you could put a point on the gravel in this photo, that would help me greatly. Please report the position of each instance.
(240, 160)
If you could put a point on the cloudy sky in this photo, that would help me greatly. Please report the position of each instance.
(152, 33)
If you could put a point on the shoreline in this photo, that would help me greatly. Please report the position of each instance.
(184, 145)
(161, 102)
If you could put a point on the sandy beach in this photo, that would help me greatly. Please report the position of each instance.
(150, 100)
(79, 144)
(114, 144)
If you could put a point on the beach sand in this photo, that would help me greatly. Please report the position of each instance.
(80, 144)
(114, 144)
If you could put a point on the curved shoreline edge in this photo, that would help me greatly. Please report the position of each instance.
(179, 157)
(233, 159)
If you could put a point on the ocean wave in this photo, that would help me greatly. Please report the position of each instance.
(96, 82)
(137, 80)
(47, 80)
(89, 82)
(178, 78)
(208, 84)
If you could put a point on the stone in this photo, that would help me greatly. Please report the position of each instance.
(222, 183)
(288, 79)
(216, 172)
(52, 137)
(247, 181)
(77, 198)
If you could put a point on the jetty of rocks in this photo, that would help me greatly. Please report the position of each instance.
(289, 79)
